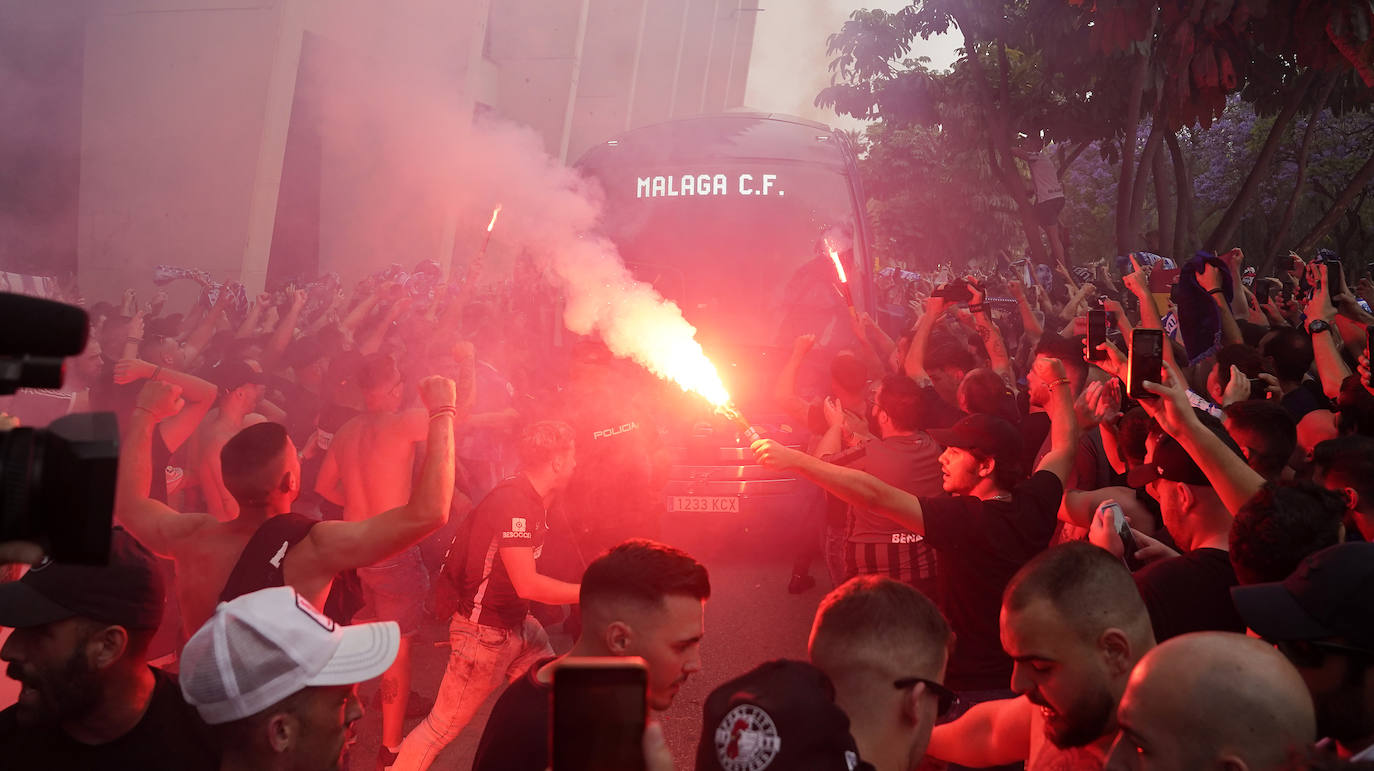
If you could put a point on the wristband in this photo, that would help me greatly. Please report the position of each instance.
(979, 308)
(448, 410)
(1059, 382)
(1216, 291)
(145, 409)
(133, 339)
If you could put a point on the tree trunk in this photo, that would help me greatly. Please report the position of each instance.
(1226, 228)
(1286, 223)
(1142, 174)
(1125, 239)
(1159, 172)
(1183, 183)
(1339, 207)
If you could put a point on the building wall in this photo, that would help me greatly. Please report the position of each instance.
(187, 105)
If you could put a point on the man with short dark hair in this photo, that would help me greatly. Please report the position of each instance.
(1345, 465)
(991, 524)
(1074, 625)
(1266, 433)
(642, 599)
(903, 456)
(1283, 524)
(79, 649)
(492, 571)
(1322, 619)
(1288, 356)
(884, 647)
(267, 544)
(276, 680)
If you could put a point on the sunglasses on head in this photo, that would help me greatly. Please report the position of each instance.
(1311, 654)
(946, 699)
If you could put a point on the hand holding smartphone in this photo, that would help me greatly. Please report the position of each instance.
(1097, 333)
(1146, 362)
(600, 708)
(1123, 531)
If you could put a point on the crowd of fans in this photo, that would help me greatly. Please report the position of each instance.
(1029, 566)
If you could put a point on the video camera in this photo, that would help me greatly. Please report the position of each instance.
(57, 484)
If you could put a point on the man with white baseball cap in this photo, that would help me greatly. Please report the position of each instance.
(277, 680)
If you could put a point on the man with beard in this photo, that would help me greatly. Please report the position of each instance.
(1074, 625)
(278, 680)
(1322, 618)
(1213, 700)
(79, 649)
(641, 598)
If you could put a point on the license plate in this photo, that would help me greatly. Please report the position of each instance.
(705, 503)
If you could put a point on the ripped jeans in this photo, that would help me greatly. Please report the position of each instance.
(482, 659)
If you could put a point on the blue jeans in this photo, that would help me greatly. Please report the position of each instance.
(482, 659)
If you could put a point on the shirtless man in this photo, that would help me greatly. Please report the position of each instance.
(263, 472)
(241, 387)
(1074, 624)
(368, 469)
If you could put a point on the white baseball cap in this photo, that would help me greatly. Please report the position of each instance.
(267, 645)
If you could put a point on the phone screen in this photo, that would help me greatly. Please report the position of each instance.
(1097, 334)
(1261, 292)
(599, 710)
(1333, 277)
(1146, 362)
(1128, 544)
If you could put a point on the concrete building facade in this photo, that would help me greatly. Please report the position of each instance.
(208, 129)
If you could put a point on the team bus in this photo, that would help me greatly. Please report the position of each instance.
(725, 215)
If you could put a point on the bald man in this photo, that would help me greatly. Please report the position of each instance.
(1074, 626)
(884, 646)
(1214, 700)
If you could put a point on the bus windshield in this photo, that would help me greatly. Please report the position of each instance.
(724, 215)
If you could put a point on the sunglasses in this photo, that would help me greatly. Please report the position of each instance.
(1311, 654)
(946, 698)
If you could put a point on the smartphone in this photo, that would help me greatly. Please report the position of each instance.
(957, 293)
(600, 707)
(1259, 390)
(1123, 531)
(1097, 333)
(1262, 292)
(1334, 277)
(1146, 362)
(1369, 353)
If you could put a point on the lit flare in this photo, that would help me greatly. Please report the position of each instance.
(494, 214)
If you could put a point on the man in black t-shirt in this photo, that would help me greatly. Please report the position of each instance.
(641, 598)
(491, 568)
(79, 649)
(990, 525)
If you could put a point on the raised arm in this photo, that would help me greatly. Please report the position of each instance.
(1029, 322)
(855, 487)
(1232, 478)
(1139, 284)
(249, 327)
(336, 546)
(285, 331)
(915, 364)
(198, 394)
(206, 328)
(990, 335)
(993, 733)
(1210, 280)
(1063, 420)
(1326, 350)
(530, 584)
(152, 522)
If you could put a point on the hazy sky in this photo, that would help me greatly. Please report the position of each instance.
(789, 65)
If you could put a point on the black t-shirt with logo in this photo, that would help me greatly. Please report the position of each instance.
(511, 515)
(170, 736)
(981, 545)
(517, 734)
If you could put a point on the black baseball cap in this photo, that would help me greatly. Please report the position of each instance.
(983, 433)
(1170, 461)
(128, 591)
(232, 373)
(1330, 595)
(782, 716)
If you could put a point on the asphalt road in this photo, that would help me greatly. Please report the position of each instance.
(750, 619)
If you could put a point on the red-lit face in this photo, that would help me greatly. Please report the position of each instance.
(669, 640)
(961, 470)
